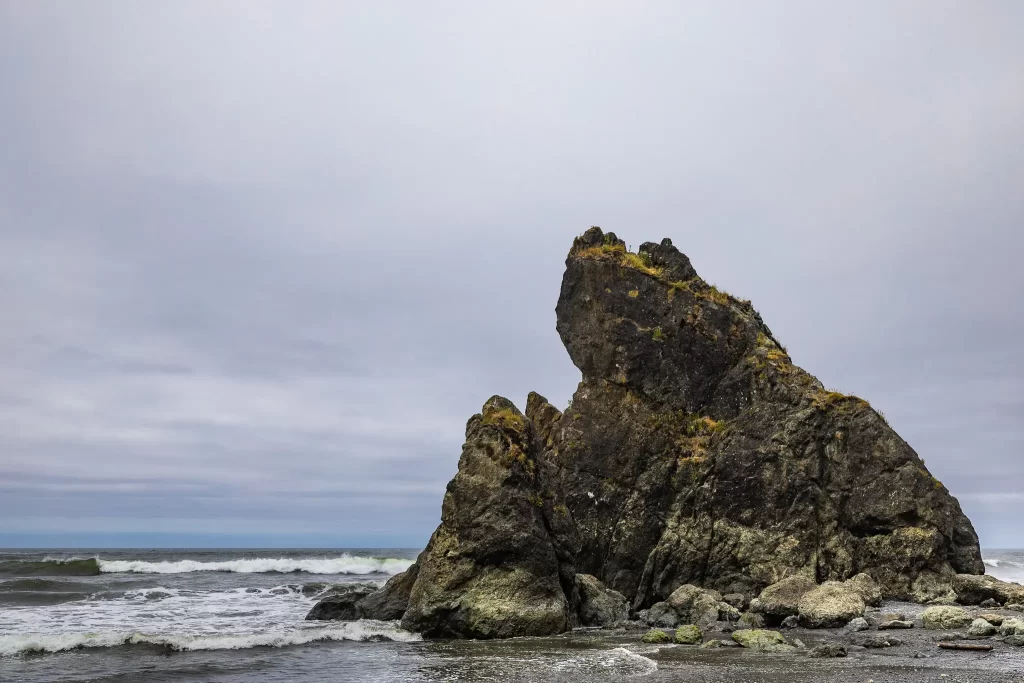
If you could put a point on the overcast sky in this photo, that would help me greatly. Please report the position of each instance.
(259, 262)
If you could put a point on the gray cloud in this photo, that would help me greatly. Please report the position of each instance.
(260, 263)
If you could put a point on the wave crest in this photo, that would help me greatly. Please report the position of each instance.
(346, 564)
(75, 566)
(356, 630)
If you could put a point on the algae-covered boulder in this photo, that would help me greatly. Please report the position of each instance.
(501, 562)
(762, 641)
(656, 635)
(782, 599)
(973, 590)
(1011, 627)
(980, 628)
(830, 605)
(688, 635)
(598, 605)
(945, 617)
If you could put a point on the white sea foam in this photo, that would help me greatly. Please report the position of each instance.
(358, 630)
(346, 564)
(1007, 565)
(639, 664)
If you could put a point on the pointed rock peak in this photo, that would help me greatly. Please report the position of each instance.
(501, 412)
(542, 414)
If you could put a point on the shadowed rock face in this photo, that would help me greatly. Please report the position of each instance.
(693, 452)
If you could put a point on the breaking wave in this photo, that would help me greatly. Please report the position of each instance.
(346, 564)
(358, 631)
(75, 566)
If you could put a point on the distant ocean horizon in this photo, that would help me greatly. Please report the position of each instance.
(94, 614)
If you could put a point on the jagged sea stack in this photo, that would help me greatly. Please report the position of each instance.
(694, 452)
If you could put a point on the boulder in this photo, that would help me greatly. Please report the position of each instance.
(688, 635)
(660, 614)
(782, 599)
(656, 635)
(826, 650)
(691, 605)
(1011, 627)
(737, 600)
(1017, 641)
(866, 588)
(994, 619)
(343, 605)
(598, 605)
(973, 590)
(877, 641)
(830, 605)
(792, 621)
(980, 628)
(762, 641)
(691, 602)
(858, 624)
(751, 620)
(945, 617)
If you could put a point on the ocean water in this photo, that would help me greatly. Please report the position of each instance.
(238, 615)
(121, 616)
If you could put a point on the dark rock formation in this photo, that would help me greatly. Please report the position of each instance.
(343, 604)
(694, 452)
(974, 590)
(501, 562)
(714, 460)
(599, 606)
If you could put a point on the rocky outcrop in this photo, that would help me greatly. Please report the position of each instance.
(501, 562)
(974, 590)
(694, 453)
